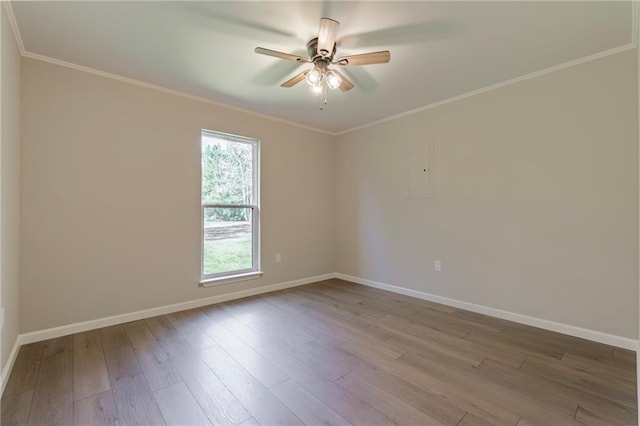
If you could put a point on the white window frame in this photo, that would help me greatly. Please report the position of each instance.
(243, 274)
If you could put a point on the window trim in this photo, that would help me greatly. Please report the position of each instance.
(241, 274)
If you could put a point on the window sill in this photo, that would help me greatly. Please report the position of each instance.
(210, 282)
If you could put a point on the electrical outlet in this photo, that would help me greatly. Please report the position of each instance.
(278, 258)
(1, 318)
(437, 266)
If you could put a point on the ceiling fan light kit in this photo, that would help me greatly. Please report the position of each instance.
(316, 90)
(320, 78)
(322, 50)
(333, 79)
(314, 77)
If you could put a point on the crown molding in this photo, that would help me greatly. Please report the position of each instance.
(16, 32)
(635, 42)
(14, 25)
(179, 93)
(496, 86)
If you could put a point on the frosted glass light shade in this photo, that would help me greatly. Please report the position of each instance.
(333, 79)
(314, 77)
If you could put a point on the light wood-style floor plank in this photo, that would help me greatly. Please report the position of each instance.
(158, 368)
(427, 381)
(438, 406)
(326, 360)
(619, 369)
(384, 349)
(96, 410)
(326, 391)
(215, 399)
(163, 330)
(417, 337)
(625, 355)
(515, 399)
(250, 422)
(252, 337)
(15, 408)
(471, 420)
(90, 375)
(306, 406)
(113, 337)
(52, 402)
(273, 328)
(554, 389)
(261, 403)
(190, 331)
(132, 395)
(259, 367)
(586, 382)
(595, 418)
(389, 404)
(179, 407)
(331, 352)
(25, 370)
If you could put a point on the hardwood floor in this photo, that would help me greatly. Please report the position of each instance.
(325, 353)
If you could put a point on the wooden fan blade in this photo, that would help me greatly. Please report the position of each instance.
(364, 59)
(345, 84)
(434, 30)
(327, 36)
(295, 79)
(281, 55)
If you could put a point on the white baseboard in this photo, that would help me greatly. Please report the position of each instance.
(638, 377)
(64, 330)
(50, 333)
(571, 330)
(4, 378)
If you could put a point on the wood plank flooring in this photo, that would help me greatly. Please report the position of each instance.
(325, 353)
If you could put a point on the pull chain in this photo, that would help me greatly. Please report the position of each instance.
(323, 100)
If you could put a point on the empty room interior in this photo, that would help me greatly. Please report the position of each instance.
(368, 213)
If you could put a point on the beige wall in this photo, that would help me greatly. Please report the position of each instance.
(110, 206)
(536, 199)
(9, 187)
(535, 209)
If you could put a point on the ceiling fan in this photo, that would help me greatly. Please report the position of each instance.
(322, 50)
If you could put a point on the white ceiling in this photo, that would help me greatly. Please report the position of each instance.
(438, 49)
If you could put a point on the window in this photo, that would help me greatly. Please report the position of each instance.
(230, 208)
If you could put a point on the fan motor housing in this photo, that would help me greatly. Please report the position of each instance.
(314, 55)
